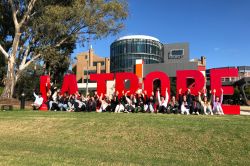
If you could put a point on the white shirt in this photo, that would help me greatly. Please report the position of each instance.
(165, 102)
(38, 100)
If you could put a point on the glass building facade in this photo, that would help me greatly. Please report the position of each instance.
(125, 50)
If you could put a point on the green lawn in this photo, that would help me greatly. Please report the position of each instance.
(62, 138)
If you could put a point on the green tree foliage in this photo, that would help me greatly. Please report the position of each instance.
(2, 69)
(247, 91)
(47, 29)
(28, 82)
(6, 30)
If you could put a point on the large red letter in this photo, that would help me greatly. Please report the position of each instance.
(101, 80)
(120, 82)
(69, 84)
(183, 75)
(215, 82)
(151, 77)
(44, 86)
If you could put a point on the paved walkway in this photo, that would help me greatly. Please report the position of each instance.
(244, 113)
(245, 110)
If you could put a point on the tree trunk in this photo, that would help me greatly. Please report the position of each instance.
(10, 81)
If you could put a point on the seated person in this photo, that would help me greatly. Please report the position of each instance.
(173, 106)
(114, 101)
(130, 106)
(163, 102)
(150, 103)
(205, 104)
(139, 102)
(119, 108)
(185, 102)
(104, 103)
(38, 101)
(195, 106)
(63, 102)
(217, 102)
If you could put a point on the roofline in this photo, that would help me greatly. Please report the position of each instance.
(137, 37)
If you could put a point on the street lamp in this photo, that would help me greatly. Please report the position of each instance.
(22, 104)
(87, 81)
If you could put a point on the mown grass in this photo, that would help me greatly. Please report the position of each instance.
(62, 138)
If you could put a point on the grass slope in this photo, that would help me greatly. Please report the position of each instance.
(61, 138)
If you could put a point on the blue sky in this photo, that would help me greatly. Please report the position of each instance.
(217, 29)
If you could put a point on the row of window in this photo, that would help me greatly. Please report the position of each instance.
(92, 72)
(124, 53)
(127, 62)
(95, 63)
(176, 54)
(135, 47)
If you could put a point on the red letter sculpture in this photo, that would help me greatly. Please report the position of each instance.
(120, 82)
(44, 86)
(215, 82)
(101, 80)
(151, 77)
(183, 75)
(69, 84)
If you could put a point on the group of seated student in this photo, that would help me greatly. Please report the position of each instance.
(141, 101)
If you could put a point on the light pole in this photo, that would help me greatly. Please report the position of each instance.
(87, 80)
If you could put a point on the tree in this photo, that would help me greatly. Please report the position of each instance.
(40, 27)
(2, 69)
(5, 31)
(28, 81)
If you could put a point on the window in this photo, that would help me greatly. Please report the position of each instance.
(176, 54)
(95, 63)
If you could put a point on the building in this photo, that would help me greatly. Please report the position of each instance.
(242, 82)
(155, 56)
(176, 57)
(125, 53)
(243, 72)
(89, 63)
(125, 50)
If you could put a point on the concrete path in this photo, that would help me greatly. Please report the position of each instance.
(244, 113)
(245, 110)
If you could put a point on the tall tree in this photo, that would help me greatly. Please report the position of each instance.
(5, 31)
(2, 69)
(44, 26)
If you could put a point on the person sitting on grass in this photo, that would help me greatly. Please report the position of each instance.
(114, 101)
(63, 102)
(71, 103)
(119, 107)
(195, 106)
(149, 103)
(163, 102)
(131, 100)
(38, 101)
(139, 101)
(205, 104)
(53, 104)
(185, 102)
(122, 102)
(173, 106)
(217, 103)
(103, 99)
